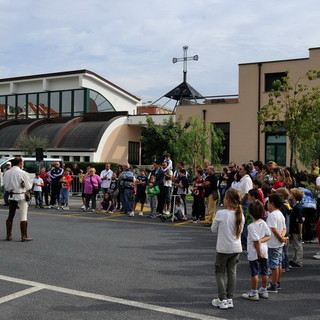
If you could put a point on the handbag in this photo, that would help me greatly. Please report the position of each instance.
(95, 189)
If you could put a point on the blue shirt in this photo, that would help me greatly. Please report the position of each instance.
(142, 188)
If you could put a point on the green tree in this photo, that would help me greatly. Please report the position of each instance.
(28, 144)
(290, 105)
(309, 141)
(157, 140)
(198, 142)
(191, 143)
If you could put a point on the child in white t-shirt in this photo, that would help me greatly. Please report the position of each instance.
(37, 190)
(258, 234)
(228, 224)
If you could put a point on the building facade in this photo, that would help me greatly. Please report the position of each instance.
(237, 116)
(83, 116)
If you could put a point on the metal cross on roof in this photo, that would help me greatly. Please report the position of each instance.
(185, 59)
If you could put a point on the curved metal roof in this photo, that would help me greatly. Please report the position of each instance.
(10, 134)
(47, 130)
(84, 135)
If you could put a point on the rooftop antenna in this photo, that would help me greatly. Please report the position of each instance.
(185, 59)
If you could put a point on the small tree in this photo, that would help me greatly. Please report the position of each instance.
(198, 141)
(28, 144)
(289, 106)
(157, 140)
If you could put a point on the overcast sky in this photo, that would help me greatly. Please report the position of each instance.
(132, 42)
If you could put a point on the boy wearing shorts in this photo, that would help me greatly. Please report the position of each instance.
(258, 234)
(141, 184)
(277, 225)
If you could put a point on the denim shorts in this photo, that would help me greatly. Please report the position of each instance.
(275, 257)
(259, 267)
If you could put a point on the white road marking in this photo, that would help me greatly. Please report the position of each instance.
(36, 286)
(19, 294)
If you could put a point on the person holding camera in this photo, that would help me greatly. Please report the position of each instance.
(17, 182)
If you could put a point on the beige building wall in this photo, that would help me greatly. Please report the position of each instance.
(116, 146)
(246, 140)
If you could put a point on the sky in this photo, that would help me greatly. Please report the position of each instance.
(132, 42)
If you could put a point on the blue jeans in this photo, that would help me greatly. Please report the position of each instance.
(153, 205)
(64, 196)
(38, 197)
(127, 200)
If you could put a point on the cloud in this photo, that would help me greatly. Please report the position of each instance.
(131, 43)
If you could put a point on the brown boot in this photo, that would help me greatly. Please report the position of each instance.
(23, 229)
(9, 230)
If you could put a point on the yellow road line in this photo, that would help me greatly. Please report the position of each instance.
(104, 218)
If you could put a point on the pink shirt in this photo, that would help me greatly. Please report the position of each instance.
(88, 186)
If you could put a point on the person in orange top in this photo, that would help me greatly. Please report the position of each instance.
(65, 182)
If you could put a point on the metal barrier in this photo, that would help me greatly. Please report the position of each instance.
(76, 186)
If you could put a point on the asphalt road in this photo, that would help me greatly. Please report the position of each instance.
(94, 266)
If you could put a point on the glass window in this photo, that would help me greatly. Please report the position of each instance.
(86, 159)
(78, 102)
(133, 154)
(76, 158)
(66, 103)
(98, 103)
(43, 105)
(66, 158)
(21, 106)
(11, 107)
(30, 166)
(276, 148)
(54, 104)
(225, 128)
(32, 106)
(3, 108)
(270, 78)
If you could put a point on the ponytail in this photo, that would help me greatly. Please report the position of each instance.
(234, 202)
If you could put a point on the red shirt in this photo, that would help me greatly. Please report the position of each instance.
(65, 181)
(277, 185)
(45, 177)
(198, 189)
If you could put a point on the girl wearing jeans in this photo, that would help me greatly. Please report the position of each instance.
(228, 224)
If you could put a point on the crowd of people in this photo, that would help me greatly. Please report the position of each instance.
(265, 213)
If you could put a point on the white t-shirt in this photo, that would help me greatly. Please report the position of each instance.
(37, 181)
(167, 182)
(256, 231)
(318, 184)
(275, 220)
(245, 185)
(106, 174)
(224, 224)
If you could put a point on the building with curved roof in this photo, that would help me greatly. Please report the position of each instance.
(83, 116)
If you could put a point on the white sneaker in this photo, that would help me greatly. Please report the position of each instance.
(49, 207)
(83, 207)
(110, 211)
(250, 296)
(167, 213)
(131, 214)
(222, 304)
(65, 208)
(93, 210)
(317, 256)
(263, 294)
(140, 213)
(59, 208)
(230, 303)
